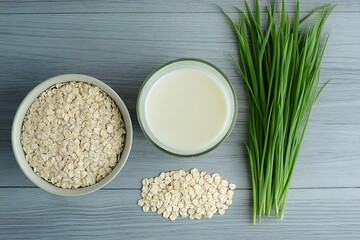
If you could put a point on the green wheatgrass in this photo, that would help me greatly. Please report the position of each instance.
(280, 67)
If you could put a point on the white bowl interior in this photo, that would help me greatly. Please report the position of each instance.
(18, 122)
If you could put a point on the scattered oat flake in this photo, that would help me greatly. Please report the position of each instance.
(191, 194)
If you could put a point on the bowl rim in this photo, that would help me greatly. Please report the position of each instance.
(234, 98)
(18, 122)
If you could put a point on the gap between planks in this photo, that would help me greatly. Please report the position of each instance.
(90, 13)
(138, 189)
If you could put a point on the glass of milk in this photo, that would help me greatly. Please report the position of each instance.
(187, 107)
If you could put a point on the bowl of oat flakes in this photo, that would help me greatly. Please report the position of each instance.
(72, 135)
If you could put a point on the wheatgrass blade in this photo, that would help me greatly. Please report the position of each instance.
(280, 67)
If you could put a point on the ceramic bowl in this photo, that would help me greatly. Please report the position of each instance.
(18, 122)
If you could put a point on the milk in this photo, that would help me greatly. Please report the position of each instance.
(187, 110)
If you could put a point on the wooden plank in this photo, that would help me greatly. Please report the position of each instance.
(110, 6)
(71, 42)
(311, 214)
(141, 27)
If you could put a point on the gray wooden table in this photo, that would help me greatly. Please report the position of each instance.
(121, 42)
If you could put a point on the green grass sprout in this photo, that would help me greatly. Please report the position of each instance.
(280, 67)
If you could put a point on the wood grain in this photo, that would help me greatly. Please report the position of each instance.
(113, 214)
(143, 6)
(121, 42)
